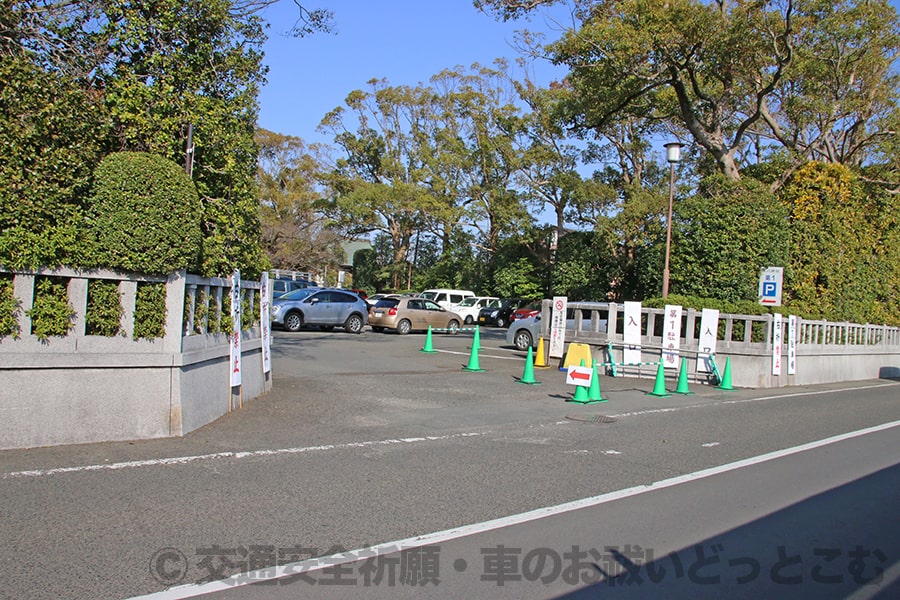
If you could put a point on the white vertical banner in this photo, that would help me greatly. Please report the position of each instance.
(777, 341)
(671, 336)
(706, 344)
(632, 333)
(235, 354)
(792, 345)
(265, 322)
(558, 327)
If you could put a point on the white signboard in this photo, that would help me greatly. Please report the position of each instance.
(579, 375)
(709, 326)
(265, 322)
(792, 345)
(770, 286)
(558, 327)
(235, 353)
(671, 336)
(632, 333)
(776, 344)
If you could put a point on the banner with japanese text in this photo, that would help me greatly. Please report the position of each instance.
(265, 322)
(632, 333)
(792, 345)
(235, 354)
(558, 327)
(706, 347)
(671, 336)
(776, 344)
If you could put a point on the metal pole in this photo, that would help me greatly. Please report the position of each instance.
(665, 286)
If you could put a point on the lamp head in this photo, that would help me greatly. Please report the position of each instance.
(673, 152)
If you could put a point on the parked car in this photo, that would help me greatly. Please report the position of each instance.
(526, 332)
(529, 310)
(447, 298)
(469, 308)
(500, 316)
(282, 286)
(326, 307)
(374, 298)
(404, 314)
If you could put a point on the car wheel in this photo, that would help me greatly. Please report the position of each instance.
(501, 322)
(354, 324)
(293, 321)
(523, 339)
(469, 320)
(403, 327)
(453, 327)
(378, 329)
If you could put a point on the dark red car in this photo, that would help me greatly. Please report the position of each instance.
(529, 310)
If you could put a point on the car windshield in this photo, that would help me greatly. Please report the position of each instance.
(428, 295)
(297, 294)
(468, 302)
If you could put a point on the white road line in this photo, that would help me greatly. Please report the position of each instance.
(180, 460)
(651, 411)
(316, 564)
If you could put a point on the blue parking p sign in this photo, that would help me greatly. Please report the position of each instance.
(770, 286)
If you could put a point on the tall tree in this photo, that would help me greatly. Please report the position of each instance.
(814, 78)
(294, 235)
(839, 100)
(378, 186)
(486, 127)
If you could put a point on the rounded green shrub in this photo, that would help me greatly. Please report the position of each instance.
(145, 213)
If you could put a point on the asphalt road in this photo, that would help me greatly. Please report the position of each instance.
(365, 440)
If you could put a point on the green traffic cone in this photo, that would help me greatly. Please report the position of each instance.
(594, 391)
(473, 357)
(683, 380)
(476, 341)
(725, 384)
(659, 388)
(528, 374)
(428, 343)
(581, 392)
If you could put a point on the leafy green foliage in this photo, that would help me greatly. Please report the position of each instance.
(150, 311)
(584, 268)
(104, 309)
(722, 237)
(145, 214)
(9, 308)
(51, 314)
(88, 77)
(845, 246)
(53, 133)
(364, 270)
(518, 280)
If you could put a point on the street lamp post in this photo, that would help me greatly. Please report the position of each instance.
(673, 155)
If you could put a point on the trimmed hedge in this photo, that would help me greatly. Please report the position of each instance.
(145, 213)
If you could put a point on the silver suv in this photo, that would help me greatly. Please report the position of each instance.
(326, 307)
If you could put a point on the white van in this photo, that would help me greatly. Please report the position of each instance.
(447, 298)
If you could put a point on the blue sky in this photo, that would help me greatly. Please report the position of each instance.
(403, 41)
